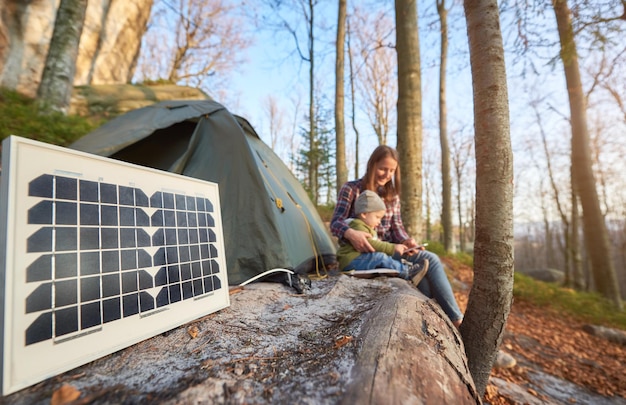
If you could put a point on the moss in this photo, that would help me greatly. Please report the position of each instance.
(588, 307)
(19, 115)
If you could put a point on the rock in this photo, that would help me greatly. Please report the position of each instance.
(547, 275)
(111, 40)
(115, 99)
(108, 50)
(610, 334)
(518, 394)
(504, 360)
(27, 28)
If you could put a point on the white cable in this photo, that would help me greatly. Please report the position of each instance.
(291, 272)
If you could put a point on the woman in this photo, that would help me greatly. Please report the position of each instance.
(383, 177)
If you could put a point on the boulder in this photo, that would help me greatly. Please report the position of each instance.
(111, 100)
(612, 335)
(108, 50)
(111, 40)
(547, 275)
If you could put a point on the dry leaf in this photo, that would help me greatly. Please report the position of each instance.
(234, 290)
(342, 341)
(193, 332)
(64, 395)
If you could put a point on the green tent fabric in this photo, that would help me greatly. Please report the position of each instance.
(268, 219)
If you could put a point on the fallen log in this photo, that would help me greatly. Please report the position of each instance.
(410, 354)
(346, 341)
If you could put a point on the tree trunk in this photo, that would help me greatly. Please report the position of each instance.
(446, 183)
(340, 127)
(594, 227)
(352, 107)
(409, 114)
(489, 303)
(576, 265)
(314, 164)
(428, 224)
(460, 214)
(548, 244)
(55, 89)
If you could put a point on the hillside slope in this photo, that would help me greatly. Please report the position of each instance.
(548, 344)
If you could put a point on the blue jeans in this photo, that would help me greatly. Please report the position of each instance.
(378, 260)
(435, 284)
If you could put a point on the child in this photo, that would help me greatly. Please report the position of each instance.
(369, 209)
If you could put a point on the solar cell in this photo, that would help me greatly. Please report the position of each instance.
(96, 245)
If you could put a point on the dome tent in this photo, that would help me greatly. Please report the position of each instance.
(268, 219)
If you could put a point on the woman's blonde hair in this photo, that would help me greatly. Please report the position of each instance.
(392, 188)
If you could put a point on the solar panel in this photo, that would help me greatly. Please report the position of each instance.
(98, 255)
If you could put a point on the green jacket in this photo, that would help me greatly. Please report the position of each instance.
(347, 253)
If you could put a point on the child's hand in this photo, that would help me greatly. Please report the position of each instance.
(399, 248)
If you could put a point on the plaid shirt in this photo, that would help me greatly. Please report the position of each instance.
(390, 228)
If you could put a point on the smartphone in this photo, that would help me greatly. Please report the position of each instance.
(415, 249)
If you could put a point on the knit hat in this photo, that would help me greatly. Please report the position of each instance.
(368, 201)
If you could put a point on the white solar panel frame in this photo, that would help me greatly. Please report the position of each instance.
(24, 160)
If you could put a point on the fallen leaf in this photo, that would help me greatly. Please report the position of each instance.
(64, 395)
(193, 332)
(206, 364)
(234, 290)
(342, 341)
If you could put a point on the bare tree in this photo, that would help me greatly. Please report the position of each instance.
(352, 104)
(409, 114)
(193, 42)
(293, 143)
(604, 76)
(594, 227)
(556, 196)
(618, 96)
(490, 298)
(461, 153)
(308, 11)
(275, 116)
(576, 263)
(57, 83)
(446, 182)
(430, 204)
(305, 11)
(340, 127)
(376, 69)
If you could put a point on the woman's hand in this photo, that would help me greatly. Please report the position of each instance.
(410, 243)
(411, 247)
(359, 240)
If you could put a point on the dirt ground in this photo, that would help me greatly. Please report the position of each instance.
(547, 343)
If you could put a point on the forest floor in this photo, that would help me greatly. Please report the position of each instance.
(557, 361)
